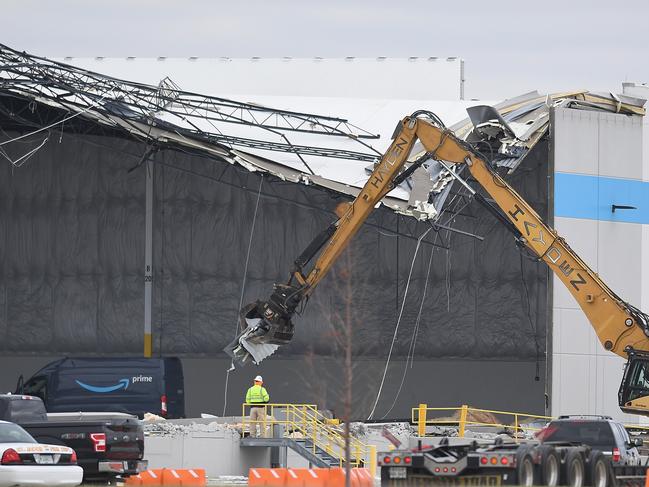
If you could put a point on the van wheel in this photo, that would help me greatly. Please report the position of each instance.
(598, 471)
(550, 466)
(574, 470)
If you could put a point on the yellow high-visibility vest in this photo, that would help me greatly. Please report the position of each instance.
(257, 395)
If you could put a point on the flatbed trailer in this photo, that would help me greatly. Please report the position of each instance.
(501, 463)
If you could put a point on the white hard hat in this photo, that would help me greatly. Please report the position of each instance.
(259, 379)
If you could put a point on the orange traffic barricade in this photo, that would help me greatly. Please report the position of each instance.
(178, 477)
(268, 477)
(133, 480)
(336, 477)
(182, 477)
(364, 477)
(148, 477)
(195, 477)
(307, 477)
(355, 478)
(318, 477)
(294, 477)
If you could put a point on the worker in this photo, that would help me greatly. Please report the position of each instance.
(257, 397)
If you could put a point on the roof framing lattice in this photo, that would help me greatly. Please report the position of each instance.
(140, 107)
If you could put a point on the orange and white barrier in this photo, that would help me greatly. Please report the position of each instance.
(364, 477)
(267, 477)
(308, 477)
(148, 477)
(193, 477)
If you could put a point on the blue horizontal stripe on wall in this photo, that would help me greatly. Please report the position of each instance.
(592, 197)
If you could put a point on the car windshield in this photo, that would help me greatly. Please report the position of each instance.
(592, 433)
(12, 433)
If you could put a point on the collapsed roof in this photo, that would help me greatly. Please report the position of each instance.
(328, 151)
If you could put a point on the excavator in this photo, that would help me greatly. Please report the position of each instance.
(620, 327)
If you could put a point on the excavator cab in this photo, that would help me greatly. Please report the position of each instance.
(633, 395)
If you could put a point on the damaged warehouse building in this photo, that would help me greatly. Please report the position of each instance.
(138, 216)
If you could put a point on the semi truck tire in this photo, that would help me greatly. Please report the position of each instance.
(526, 472)
(550, 466)
(598, 472)
(574, 469)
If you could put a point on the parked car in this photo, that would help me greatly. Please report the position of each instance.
(23, 461)
(599, 432)
(108, 445)
(125, 385)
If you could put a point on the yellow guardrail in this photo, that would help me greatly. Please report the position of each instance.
(462, 417)
(304, 421)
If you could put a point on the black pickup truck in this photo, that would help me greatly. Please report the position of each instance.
(108, 445)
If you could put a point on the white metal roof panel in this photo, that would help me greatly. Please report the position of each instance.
(382, 78)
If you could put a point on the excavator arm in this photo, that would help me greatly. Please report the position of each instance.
(620, 327)
(265, 325)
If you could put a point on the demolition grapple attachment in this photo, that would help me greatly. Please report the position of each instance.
(264, 326)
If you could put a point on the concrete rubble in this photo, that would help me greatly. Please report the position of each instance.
(161, 428)
(224, 480)
(158, 426)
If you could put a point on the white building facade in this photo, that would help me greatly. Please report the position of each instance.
(597, 161)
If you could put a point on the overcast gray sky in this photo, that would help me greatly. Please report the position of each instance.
(509, 47)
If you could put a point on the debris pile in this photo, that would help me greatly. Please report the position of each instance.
(475, 417)
(223, 480)
(168, 428)
(450, 431)
(362, 430)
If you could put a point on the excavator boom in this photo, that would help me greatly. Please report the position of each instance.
(620, 327)
(265, 325)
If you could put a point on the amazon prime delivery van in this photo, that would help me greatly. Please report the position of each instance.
(125, 385)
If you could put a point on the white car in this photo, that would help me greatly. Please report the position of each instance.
(23, 461)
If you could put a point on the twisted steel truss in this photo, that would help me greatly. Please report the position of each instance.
(149, 111)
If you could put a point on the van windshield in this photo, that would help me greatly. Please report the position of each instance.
(12, 433)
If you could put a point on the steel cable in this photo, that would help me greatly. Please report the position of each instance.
(396, 328)
(243, 289)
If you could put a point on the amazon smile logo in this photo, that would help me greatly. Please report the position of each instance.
(122, 384)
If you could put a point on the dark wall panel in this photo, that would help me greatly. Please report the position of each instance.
(71, 223)
(72, 258)
(493, 384)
